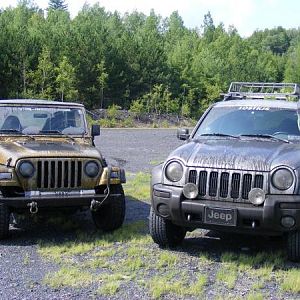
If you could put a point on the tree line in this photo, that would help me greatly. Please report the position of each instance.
(145, 63)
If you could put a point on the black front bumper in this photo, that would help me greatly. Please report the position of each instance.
(168, 202)
(55, 201)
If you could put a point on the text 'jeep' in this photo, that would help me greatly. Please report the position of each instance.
(238, 171)
(48, 161)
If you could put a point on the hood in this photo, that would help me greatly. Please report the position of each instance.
(26, 149)
(238, 154)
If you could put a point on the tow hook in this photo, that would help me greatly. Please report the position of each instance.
(33, 207)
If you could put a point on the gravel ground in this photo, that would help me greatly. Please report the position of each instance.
(23, 269)
(137, 149)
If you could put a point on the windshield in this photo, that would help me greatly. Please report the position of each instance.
(42, 120)
(253, 121)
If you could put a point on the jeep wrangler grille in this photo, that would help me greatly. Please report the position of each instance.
(52, 174)
(227, 185)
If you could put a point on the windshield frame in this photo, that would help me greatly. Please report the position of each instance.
(58, 106)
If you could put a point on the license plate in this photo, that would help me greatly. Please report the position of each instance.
(220, 216)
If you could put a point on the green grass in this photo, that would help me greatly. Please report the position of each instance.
(166, 260)
(105, 253)
(138, 186)
(68, 277)
(228, 275)
(167, 284)
(197, 288)
(86, 243)
(109, 288)
(161, 285)
(291, 281)
(136, 250)
(256, 296)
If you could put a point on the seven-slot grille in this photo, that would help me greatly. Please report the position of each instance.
(63, 173)
(227, 185)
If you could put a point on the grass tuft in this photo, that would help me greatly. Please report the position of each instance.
(228, 275)
(197, 288)
(68, 277)
(291, 281)
(109, 288)
(166, 259)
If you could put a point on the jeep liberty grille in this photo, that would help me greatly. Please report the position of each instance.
(227, 185)
(65, 173)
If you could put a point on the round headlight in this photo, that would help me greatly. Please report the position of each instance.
(26, 169)
(257, 196)
(174, 171)
(282, 179)
(92, 169)
(190, 191)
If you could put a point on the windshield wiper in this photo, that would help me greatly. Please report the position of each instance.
(266, 136)
(57, 132)
(51, 131)
(219, 134)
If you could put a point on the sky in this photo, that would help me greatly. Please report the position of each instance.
(245, 15)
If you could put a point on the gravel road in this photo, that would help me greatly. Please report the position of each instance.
(136, 149)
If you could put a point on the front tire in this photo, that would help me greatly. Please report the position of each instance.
(4, 221)
(164, 232)
(293, 244)
(111, 215)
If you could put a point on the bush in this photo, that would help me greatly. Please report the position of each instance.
(113, 111)
(137, 108)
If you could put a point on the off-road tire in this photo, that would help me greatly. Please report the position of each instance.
(293, 243)
(111, 215)
(164, 232)
(4, 221)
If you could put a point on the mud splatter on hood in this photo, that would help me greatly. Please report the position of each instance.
(238, 154)
(28, 149)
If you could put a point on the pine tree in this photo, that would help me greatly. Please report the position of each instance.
(57, 4)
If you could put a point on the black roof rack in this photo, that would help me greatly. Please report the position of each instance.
(260, 90)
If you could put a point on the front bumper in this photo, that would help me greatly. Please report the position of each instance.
(55, 201)
(168, 202)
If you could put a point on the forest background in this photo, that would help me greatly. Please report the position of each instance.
(142, 63)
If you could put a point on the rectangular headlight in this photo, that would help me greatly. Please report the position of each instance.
(5, 176)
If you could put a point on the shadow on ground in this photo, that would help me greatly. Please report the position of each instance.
(60, 226)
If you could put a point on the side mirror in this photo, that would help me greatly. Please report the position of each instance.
(95, 131)
(183, 134)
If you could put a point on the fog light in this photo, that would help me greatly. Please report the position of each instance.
(190, 191)
(287, 222)
(257, 196)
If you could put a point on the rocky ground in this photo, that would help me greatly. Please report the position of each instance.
(66, 258)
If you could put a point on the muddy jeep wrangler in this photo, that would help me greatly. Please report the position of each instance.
(238, 171)
(48, 161)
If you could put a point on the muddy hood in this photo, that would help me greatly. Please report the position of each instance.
(252, 155)
(12, 151)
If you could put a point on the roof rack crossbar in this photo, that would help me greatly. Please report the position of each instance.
(261, 90)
